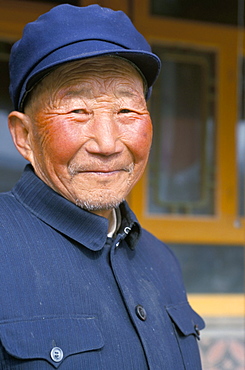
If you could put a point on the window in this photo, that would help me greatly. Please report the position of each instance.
(215, 11)
(181, 167)
(200, 203)
(212, 269)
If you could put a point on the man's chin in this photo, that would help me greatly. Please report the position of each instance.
(93, 206)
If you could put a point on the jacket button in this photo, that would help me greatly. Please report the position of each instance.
(140, 312)
(56, 354)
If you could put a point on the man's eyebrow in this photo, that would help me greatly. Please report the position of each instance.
(128, 93)
(78, 92)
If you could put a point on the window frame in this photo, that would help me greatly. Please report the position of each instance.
(223, 227)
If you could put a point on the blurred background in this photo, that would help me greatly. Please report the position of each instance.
(192, 193)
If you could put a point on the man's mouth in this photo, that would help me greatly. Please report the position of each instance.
(75, 170)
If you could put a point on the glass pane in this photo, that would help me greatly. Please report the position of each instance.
(215, 11)
(11, 162)
(212, 269)
(181, 166)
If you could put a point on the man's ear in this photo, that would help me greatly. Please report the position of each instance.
(20, 127)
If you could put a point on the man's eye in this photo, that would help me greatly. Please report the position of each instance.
(78, 111)
(125, 111)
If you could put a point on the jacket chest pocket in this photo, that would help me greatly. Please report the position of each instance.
(187, 324)
(50, 338)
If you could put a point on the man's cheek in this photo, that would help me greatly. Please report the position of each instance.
(58, 144)
(143, 144)
(61, 151)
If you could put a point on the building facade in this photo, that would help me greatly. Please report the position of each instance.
(192, 193)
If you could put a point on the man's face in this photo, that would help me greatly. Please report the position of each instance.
(90, 132)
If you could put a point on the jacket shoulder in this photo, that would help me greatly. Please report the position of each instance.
(8, 205)
(150, 241)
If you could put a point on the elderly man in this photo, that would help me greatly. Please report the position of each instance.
(83, 286)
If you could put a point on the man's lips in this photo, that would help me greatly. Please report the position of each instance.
(102, 174)
(103, 171)
(100, 171)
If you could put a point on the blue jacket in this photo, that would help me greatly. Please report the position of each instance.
(71, 298)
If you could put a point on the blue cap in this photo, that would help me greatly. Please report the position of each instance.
(67, 33)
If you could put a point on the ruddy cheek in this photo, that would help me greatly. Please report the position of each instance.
(60, 143)
(143, 140)
(63, 147)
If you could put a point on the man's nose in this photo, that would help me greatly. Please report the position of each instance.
(104, 136)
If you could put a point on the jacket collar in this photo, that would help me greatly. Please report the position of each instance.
(67, 218)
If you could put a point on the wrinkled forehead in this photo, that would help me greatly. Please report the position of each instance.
(101, 73)
(114, 67)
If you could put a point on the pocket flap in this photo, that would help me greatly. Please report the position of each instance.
(185, 318)
(50, 338)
